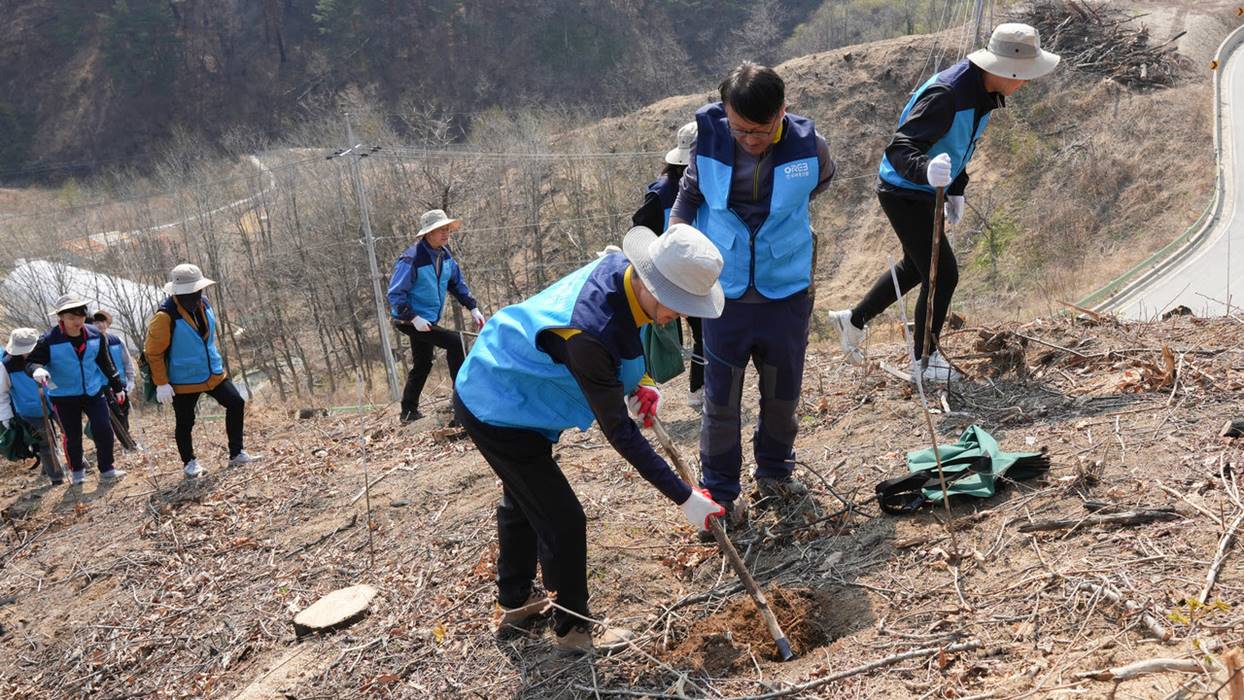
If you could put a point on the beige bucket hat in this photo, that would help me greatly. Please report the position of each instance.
(1014, 51)
(434, 219)
(680, 154)
(22, 341)
(680, 267)
(68, 301)
(186, 278)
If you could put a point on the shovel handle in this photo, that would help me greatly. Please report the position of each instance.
(727, 549)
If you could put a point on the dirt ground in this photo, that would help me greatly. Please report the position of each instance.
(162, 588)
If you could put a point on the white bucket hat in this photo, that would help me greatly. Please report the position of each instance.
(68, 301)
(22, 341)
(432, 220)
(680, 267)
(1014, 51)
(186, 278)
(680, 154)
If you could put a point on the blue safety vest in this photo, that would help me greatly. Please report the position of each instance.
(191, 358)
(426, 297)
(777, 258)
(959, 142)
(508, 381)
(73, 374)
(23, 392)
(116, 348)
(666, 190)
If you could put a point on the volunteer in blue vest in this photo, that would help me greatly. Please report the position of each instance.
(424, 273)
(72, 361)
(121, 359)
(183, 351)
(655, 214)
(19, 397)
(937, 134)
(754, 169)
(565, 358)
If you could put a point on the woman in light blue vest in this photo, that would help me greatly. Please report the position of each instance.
(936, 137)
(19, 398)
(72, 362)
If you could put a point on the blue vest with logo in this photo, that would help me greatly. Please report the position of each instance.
(116, 348)
(427, 295)
(508, 381)
(75, 375)
(191, 358)
(666, 190)
(777, 258)
(23, 392)
(959, 142)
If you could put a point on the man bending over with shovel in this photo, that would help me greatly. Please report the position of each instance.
(928, 156)
(567, 357)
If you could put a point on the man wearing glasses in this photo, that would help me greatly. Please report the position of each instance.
(754, 168)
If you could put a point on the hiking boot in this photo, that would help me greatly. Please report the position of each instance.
(112, 475)
(696, 399)
(241, 458)
(779, 492)
(192, 469)
(850, 337)
(939, 370)
(580, 640)
(504, 618)
(410, 416)
(735, 518)
(78, 477)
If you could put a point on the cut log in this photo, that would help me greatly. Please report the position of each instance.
(337, 609)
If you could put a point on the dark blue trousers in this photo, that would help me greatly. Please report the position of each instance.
(773, 337)
(95, 408)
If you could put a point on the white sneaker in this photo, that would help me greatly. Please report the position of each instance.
(850, 337)
(696, 399)
(241, 458)
(939, 370)
(192, 469)
(78, 478)
(112, 475)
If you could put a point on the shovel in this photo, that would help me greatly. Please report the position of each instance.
(727, 548)
(50, 435)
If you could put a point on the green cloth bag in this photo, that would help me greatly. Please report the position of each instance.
(16, 443)
(663, 350)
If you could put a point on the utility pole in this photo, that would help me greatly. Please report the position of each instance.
(355, 151)
(979, 14)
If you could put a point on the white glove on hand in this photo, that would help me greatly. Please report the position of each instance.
(478, 316)
(164, 393)
(954, 209)
(129, 388)
(938, 171)
(5, 423)
(41, 376)
(700, 507)
(421, 324)
(644, 403)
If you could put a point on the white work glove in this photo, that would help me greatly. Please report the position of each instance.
(644, 404)
(421, 324)
(41, 376)
(120, 397)
(954, 209)
(129, 388)
(5, 423)
(164, 393)
(938, 171)
(700, 507)
(478, 316)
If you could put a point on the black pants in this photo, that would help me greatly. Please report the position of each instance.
(912, 220)
(539, 518)
(697, 351)
(70, 409)
(235, 408)
(422, 344)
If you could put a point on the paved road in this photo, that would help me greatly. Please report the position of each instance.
(1213, 276)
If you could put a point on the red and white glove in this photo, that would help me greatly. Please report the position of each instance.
(478, 316)
(938, 171)
(644, 404)
(41, 376)
(700, 507)
(120, 396)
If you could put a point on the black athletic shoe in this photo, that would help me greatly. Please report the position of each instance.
(411, 416)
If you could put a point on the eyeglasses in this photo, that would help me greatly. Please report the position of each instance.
(755, 133)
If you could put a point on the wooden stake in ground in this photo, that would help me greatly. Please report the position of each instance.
(1233, 659)
(939, 220)
(50, 435)
(727, 549)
